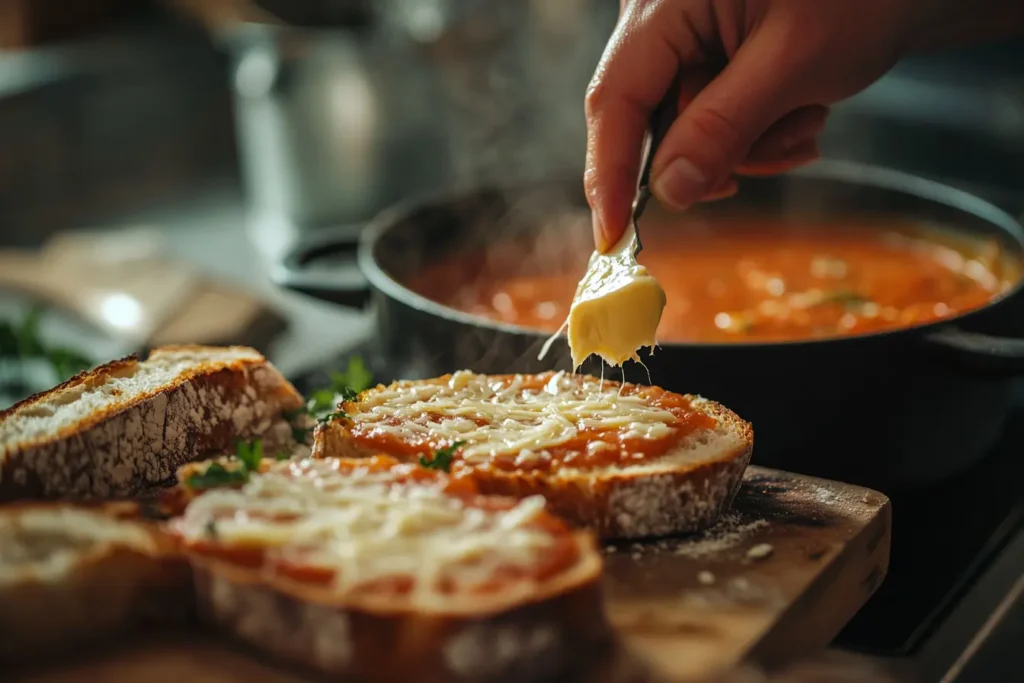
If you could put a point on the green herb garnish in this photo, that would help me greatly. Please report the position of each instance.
(216, 475)
(282, 456)
(357, 377)
(249, 453)
(336, 415)
(847, 297)
(442, 459)
(323, 405)
(23, 341)
(320, 401)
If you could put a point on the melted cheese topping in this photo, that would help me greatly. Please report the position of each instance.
(617, 307)
(46, 543)
(517, 417)
(367, 526)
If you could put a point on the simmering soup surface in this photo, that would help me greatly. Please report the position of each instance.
(743, 279)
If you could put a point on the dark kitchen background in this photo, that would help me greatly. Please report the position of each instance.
(208, 133)
(157, 158)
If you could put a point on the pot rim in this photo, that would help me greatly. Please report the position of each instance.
(854, 173)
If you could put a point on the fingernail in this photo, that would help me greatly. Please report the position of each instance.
(600, 237)
(680, 184)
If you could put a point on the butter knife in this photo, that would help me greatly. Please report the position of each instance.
(658, 124)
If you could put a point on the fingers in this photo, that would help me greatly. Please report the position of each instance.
(714, 134)
(634, 72)
(788, 143)
(803, 153)
(724, 190)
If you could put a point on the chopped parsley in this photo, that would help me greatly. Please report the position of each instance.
(336, 415)
(247, 453)
(357, 377)
(321, 400)
(847, 297)
(216, 476)
(324, 405)
(442, 458)
(22, 341)
(250, 453)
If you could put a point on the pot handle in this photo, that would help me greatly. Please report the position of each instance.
(325, 267)
(980, 353)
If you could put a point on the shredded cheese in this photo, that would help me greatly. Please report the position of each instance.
(366, 526)
(495, 416)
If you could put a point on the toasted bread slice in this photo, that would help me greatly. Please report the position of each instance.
(625, 460)
(387, 572)
(120, 429)
(74, 575)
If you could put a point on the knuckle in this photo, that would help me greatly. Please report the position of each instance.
(715, 126)
(596, 97)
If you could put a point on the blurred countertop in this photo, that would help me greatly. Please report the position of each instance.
(210, 230)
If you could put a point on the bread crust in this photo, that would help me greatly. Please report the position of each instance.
(104, 590)
(127, 449)
(534, 638)
(631, 504)
(617, 503)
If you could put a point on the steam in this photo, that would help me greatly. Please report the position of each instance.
(515, 73)
(513, 77)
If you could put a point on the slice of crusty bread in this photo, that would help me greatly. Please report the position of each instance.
(533, 640)
(685, 490)
(75, 575)
(682, 491)
(126, 426)
(529, 629)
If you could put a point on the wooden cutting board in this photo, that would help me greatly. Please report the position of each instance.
(776, 579)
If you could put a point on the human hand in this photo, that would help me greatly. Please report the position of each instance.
(757, 78)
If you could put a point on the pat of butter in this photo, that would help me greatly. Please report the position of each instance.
(617, 307)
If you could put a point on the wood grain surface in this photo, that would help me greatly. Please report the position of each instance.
(776, 580)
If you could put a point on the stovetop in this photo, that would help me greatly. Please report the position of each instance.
(943, 539)
(946, 540)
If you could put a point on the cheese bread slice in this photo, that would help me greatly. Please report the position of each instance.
(381, 571)
(625, 460)
(73, 575)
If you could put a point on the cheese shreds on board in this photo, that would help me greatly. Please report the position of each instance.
(509, 415)
(616, 309)
(365, 526)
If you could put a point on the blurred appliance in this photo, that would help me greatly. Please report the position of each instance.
(956, 116)
(354, 105)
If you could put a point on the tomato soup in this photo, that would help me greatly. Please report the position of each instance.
(738, 278)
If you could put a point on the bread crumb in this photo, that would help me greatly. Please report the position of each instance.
(727, 534)
(825, 495)
(705, 578)
(760, 551)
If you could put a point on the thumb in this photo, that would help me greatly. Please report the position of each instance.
(716, 130)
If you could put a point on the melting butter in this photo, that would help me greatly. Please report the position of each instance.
(616, 309)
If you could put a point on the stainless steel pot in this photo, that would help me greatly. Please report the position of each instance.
(899, 408)
(336, 123)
